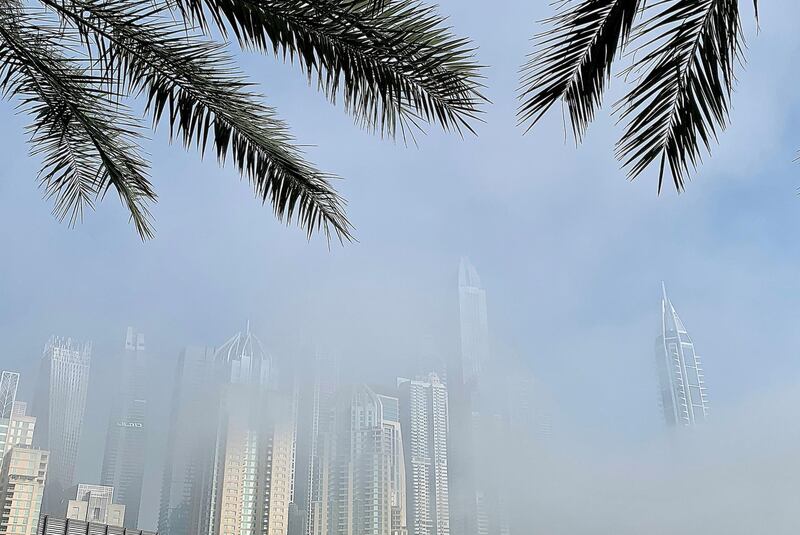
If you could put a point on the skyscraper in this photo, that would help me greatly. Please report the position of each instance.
(463, 384)
(190, 443)
(424, 419)
(21, 427)
(251, 483)
(366, 474)
(683, 396)
(475, 492)
(397, 468)
(23, 472)
(123, 462)
(474, 324)
(315, 428)
(23, 475)
(59, 408)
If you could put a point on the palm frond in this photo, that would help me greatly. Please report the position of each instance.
(572, 60)
(395, 62)
(86, 139)
(685, 77)
(193, 85)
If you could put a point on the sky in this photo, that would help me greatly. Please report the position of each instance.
(570, 252)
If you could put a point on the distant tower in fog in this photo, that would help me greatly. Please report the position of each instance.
(59, 408)
(424, 420)
(123, 462)
(682, 391)
(473, 322)
(367, 474)
(318, 435)
(190, 443)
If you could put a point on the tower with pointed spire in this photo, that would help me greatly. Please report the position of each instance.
(682, 391)
(250, 487)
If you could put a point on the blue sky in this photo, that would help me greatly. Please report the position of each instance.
(570, 252)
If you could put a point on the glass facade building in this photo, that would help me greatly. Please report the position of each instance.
(59, 407)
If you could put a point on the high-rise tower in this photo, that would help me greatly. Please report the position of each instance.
(251, 483)
(190, 443)
(123, 462)
(424, 419)
(476, 495)
(22, 482)
(682, 390)
(474, 324)
(59, 408)
(366, 471)
(315, 433)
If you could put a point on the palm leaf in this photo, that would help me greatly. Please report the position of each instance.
(685, 77)
(86, 139)
(193, 85)
(572, 60)
(394, 62)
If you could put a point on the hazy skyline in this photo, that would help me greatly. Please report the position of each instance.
(571, 256)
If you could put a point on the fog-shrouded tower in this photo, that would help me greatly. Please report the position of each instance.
(474, 324)
(463, 383)
(59, 407)
(190, 443)
(367, 475)
(123, 462)
(251, 484)
(315, 432)
(682, 390)
(424, 419)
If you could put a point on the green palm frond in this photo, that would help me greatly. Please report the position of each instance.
(394, 62)
(75, 65)
(87, 142)
(572, 61)
(193, 84)
(682, 75)
(682, 98)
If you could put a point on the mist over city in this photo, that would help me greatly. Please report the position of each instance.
(518, 340)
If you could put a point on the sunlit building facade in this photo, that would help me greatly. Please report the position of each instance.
(682, 389)
(21, 427)
(251, 484)
(22, 482)
(367, 474)
(424, 419)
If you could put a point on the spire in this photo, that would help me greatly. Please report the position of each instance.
(670, 319)
(467, 274)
